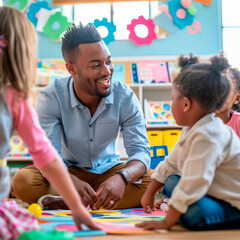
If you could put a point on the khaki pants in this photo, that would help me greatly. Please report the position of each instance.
(29, 185)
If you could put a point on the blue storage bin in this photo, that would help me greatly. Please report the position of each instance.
(155, 159)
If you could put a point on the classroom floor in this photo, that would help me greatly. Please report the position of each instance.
(177, 233)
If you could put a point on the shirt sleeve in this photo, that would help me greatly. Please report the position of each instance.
(48, 115)
(197, 172)
(133, 129)
(27, 126)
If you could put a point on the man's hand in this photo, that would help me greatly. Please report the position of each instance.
(110, 192)
(86, 192)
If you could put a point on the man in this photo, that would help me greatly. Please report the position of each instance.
(82, 115)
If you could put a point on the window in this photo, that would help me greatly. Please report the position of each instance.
(231, 30)
(120, 12)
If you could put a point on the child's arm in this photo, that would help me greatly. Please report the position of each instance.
(172, 216)
(57, 175)
(149, 196)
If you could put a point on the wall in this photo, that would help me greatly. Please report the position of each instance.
(208, 42)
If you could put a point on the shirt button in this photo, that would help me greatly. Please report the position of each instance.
(90, 125)
(91, 140)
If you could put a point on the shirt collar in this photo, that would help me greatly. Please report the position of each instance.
(75, 102)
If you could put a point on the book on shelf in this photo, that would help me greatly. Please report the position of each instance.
(18, 149)
(158, 113)
(48, 70)
(147, 72)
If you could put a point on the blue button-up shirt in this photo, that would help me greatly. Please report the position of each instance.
(90, 142)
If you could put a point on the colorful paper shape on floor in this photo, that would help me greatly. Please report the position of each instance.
(194, 28)
(72, 228)
(123, 229)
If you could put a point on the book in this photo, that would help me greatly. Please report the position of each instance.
(158, 113)
(148, 72)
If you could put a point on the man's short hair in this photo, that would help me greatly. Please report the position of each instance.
(76, 35)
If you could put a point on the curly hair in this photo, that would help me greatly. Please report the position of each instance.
(76, 35)
(206, 82)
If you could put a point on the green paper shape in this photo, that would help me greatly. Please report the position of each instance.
(56, 25)
(50, 235)
(192, 10)
(18, 4)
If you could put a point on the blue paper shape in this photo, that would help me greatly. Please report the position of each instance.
(164, 22)
(175, 5)
(110, 27)
(34, 8)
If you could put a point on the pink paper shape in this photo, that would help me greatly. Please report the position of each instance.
(156, 213)
(181, 13)
(151, 33)
(194, 28)
(72, 228)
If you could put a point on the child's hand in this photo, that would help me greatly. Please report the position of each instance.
(158, 203)
(81, 216)
(147, 202)
(149, 225)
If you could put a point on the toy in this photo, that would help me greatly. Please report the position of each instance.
(35, 209)
(50, 235)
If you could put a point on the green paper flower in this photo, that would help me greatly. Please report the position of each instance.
(56, 25)
(18, 4)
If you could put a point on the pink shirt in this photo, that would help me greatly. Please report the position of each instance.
(234, 122)
(25, 121)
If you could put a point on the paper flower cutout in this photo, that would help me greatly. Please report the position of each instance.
(204, 2)
(56, 25)
(33, 10)
(150, 26)
(181, 16)
(110, 27)
(21, 5)
(194, 28)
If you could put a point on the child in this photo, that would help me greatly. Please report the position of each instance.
(206, 156)
(18, 47)
(230, 113)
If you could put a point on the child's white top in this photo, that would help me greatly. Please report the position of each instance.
(207, 156)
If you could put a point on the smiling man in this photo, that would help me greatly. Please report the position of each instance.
(82, 116)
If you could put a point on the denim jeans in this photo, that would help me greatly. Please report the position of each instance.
(208, 213)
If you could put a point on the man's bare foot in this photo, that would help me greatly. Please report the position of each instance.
(50, 202)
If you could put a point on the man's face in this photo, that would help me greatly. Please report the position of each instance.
(94, 69)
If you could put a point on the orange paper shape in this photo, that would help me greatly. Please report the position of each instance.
(204, 2)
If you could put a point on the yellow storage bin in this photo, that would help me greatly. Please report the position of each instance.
(170, 137)
(155, 138)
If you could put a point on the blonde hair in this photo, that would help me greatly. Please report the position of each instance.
(19, 58)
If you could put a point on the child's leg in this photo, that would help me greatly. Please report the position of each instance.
(170, 184)
(210, 213)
